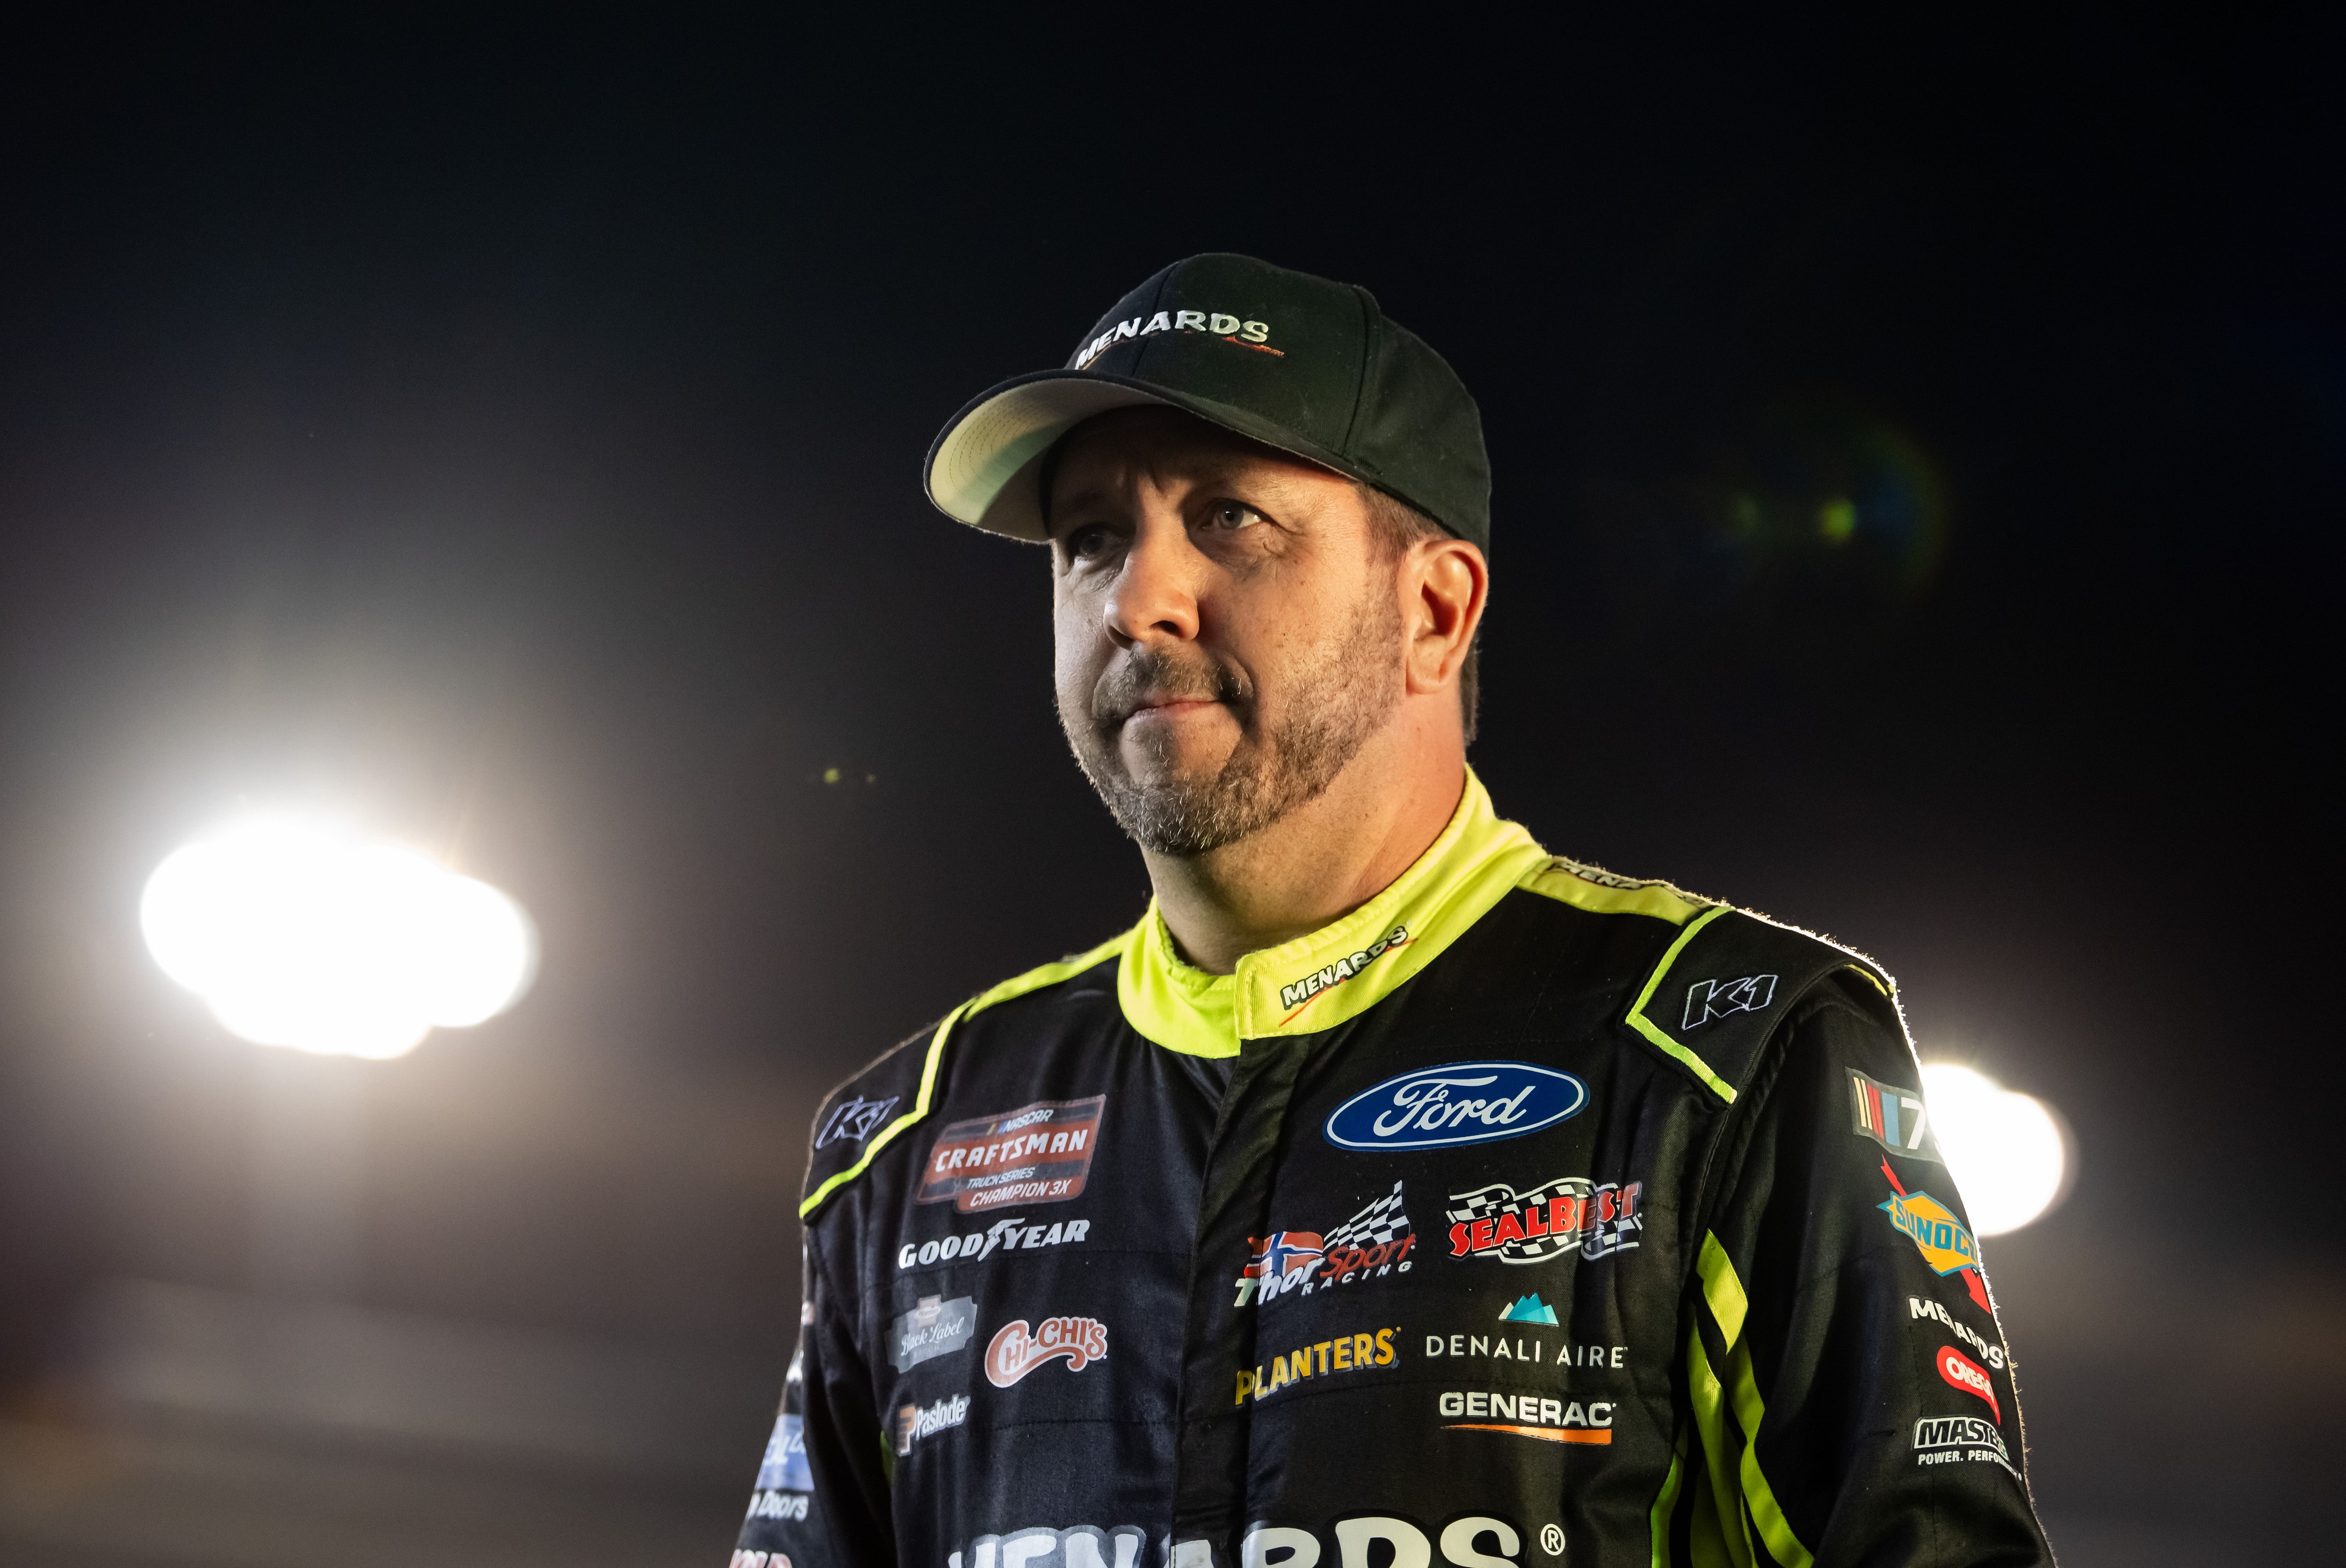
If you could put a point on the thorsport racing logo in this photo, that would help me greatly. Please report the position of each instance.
(1456, 1103)
(1948, 1440)
(1374, 1243)
(1545, 1222)
(1709, 999)
(1040, 1152)
(1016, 1349)
(1300, 994)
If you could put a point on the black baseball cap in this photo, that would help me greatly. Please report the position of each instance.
(1290, 359)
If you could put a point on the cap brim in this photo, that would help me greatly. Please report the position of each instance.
(983, 467)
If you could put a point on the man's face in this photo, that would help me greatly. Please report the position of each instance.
(1229, 632)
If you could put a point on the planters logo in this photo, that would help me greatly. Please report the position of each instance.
(1457, 1103)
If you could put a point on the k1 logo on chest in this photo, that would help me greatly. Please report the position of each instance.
(1456, 1103)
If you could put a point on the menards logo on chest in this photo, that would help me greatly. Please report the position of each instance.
(1342, 969)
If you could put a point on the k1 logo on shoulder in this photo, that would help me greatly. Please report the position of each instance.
(1892, 1118)
(1374, 1243)
(1016, 1349)
(1040, 1152)
(1456, 1103)
(1709, 999)
(1546, 1221)
(853, 1119)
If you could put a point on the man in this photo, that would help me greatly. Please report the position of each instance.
(1396, 1192)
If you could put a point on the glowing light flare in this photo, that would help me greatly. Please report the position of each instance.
(2010, 1154)
(300, 935)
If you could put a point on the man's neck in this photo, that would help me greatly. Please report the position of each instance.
(1319, 862)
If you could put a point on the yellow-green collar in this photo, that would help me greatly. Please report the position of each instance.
(1345, 967)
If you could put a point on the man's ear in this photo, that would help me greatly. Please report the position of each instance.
(1444, 584)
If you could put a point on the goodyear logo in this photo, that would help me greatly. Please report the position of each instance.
(1945, 1241)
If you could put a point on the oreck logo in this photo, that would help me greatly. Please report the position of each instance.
(1962, 1372)
(1219, 324)
(1456, 1103)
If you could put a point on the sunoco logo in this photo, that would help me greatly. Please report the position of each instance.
(1456, 1103)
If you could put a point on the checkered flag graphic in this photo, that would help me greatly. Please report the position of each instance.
(1498, 1198)
(1381, 1222)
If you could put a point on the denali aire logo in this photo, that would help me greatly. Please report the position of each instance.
(853, 1119)
(1040, 1152)
(1962, 1372)
(1545, 1222)
(1012, 1233)
(1300, 994)
(1016, 1350)
(1457, 1103)
(1040, 1546)
(1709, 999)
(1372, 1243)
(1213, 323)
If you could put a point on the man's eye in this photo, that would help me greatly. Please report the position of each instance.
(1087, 542)
(1230, 516)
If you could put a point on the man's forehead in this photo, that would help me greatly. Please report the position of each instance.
(1164, 442)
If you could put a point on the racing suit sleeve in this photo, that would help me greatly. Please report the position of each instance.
(822, 1495)
(1852, 1397)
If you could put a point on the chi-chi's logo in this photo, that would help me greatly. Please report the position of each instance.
(1892, 1118)
(1546, 1221)
(1962, 1372)
(1374, 1243)
(1016, 1350)
(1945, 1243)
(1709, 999)
(1255, 335)
(1456, 1103)
(1040, 1152)
(1303, 992)
(853, 1119)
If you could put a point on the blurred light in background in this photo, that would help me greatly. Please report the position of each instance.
(300, 934)
(2009, 1152)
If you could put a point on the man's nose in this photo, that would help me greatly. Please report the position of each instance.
(1156, 594)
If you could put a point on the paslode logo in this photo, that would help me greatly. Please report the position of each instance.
(913, 1422)
(1372, 1243)
(1709, 999)
(1546, 1221)
(1016, 1350)
(1040, 1152)
(1302, 994)
(1255, 335)
(1962, 1372)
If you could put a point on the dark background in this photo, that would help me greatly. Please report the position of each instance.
(1919, 462)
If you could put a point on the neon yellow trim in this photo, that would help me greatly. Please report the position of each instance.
(1653, 1031)
(1710, 1424)
(1668, 1501)
(1176, 1004)
(1872, 979)
(1033, 979)
(1723, 1294)
(1601, 892)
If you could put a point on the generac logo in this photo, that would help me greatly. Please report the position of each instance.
(1016, 1350)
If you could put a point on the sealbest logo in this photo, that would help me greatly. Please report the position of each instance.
(1456, 1103)
(1299, 994)
(1255, 335)
(1018, 1349)
(1040, 1152)
(1567, 1214)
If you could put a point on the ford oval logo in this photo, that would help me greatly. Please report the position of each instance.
(1456, 1103)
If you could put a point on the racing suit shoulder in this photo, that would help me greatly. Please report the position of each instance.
(871, 1111)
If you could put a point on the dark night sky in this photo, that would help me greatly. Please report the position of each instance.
(511, 430)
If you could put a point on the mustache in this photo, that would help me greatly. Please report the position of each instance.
(1154, 673)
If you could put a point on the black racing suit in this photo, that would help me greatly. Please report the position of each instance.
(1528, 1215)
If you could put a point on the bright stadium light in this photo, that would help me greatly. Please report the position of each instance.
(2009, 1152)
(298, 935)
